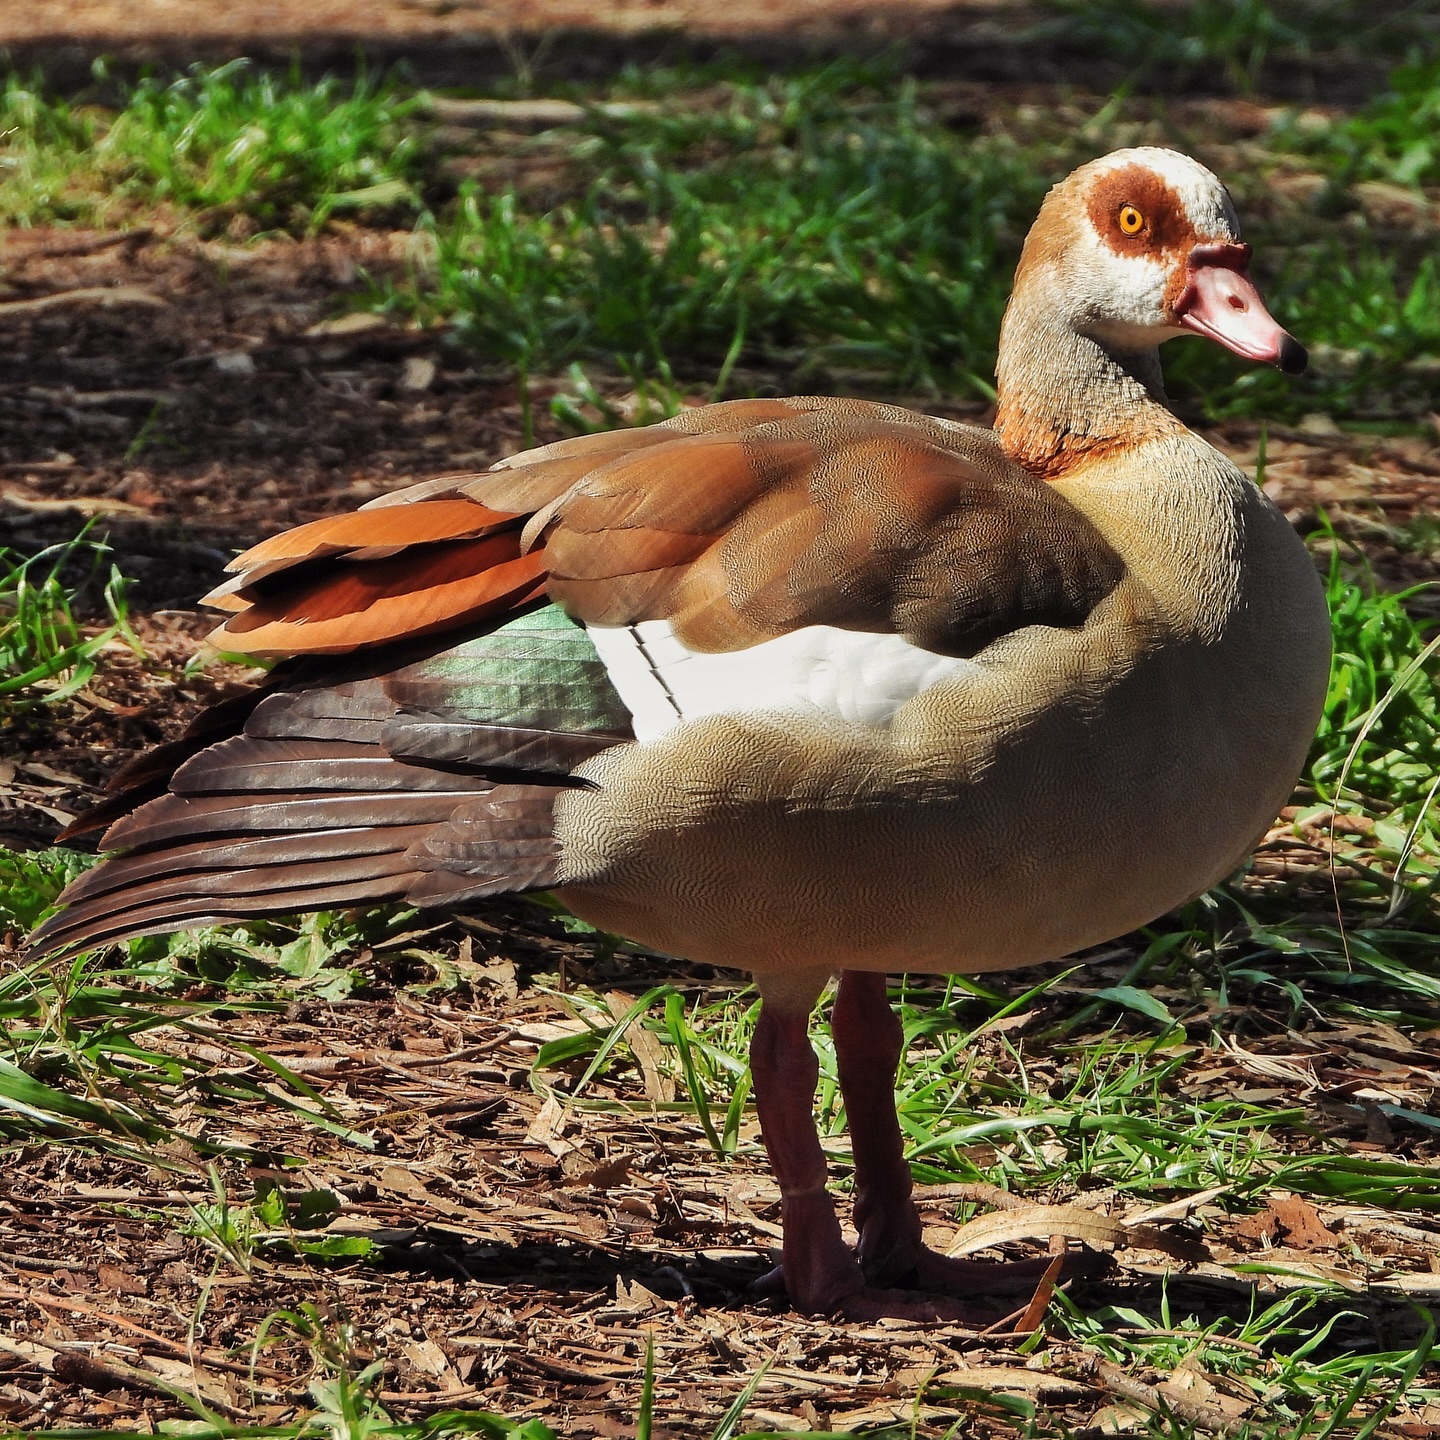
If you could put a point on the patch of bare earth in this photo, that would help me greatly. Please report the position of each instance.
(528, 1253)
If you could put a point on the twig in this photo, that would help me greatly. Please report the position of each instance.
(77, 1307)
(92, 246)
(102, 295)
(420, 1062)
(977, 1191)
(426, 1397)
(74, 1364)
(33, 1262)
(1194, 1412)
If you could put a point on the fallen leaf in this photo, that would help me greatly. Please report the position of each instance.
(123, 1282)
(1040, 1222)
(1289, 1221)
(78, 504)
(579, 1169)
(547, 1127)
(418, 373)
(355, 324)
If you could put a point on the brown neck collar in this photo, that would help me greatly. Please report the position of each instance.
(1066, 399)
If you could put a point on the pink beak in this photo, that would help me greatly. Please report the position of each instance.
(1221, 302)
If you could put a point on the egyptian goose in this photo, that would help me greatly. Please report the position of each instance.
(799, 686)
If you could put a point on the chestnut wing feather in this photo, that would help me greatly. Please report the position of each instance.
(736, 522)
(842, 513)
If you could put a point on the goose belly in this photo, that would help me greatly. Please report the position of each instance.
(1063, 789)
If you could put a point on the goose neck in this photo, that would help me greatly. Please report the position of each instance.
(1067, 398)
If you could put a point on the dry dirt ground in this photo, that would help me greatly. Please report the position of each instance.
(475, 42)
(531, 1256)
(194, 397)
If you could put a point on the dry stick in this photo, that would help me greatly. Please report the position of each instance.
(77, 1307)
(33, 1262)
(76, 1368)
(85, 247)
(977, 1191)
(426, 1397)
(1029, 1322)
(377, 1061)
(103, 295)
(1207, 1417)
(470, 1052)
(74, 1364)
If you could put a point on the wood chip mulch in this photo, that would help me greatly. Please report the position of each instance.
(527, 1251)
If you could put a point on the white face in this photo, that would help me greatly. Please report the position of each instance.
(1140, 214)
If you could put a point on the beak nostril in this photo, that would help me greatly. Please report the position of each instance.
(1236, 303)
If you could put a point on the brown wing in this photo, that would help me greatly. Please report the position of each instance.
(738, 522)
(387, 776)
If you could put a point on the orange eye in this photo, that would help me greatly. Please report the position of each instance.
(1132, 222)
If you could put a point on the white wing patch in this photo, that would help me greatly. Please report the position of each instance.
(848, 675)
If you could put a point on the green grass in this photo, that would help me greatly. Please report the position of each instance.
(228, 143)
(45, 655)
(828, 229)
(1392, 139)
(83, 1052)
(804, 225)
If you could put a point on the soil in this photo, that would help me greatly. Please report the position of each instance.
(526, 1257)
(469, 43)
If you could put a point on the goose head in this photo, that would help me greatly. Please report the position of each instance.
(1143, 245)
(1130, 250)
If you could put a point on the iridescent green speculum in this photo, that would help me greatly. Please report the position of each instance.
(538, 669)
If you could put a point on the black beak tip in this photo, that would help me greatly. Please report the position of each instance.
(1293, 356)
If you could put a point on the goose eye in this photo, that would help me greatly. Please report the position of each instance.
(1132, 222)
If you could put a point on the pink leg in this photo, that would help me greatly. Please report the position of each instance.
(868, 1045)
(820, 1273)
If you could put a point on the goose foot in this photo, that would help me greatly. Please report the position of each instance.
(975, 1292)
(891, 1252)
(821, 1274)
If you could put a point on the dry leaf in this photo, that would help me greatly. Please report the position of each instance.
(547, 1127)
(123, 1282)
(646, 1049)
(634, 1296)
(400, 1181)
(1288, 1221)
(581, 1169)
(1040, 1222)
(356, 324)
